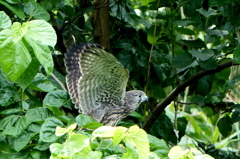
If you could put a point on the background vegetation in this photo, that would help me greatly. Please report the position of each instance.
(183, 53)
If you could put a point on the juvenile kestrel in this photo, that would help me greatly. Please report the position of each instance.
(97, 82)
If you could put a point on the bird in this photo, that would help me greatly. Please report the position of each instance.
(97, 81)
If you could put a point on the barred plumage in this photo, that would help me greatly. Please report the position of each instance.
(97, 81)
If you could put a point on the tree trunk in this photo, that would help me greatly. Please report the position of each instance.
(101, 23)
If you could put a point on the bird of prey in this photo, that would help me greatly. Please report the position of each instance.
(97, 82)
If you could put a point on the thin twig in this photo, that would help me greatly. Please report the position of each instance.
(59, 82)
(150, 57)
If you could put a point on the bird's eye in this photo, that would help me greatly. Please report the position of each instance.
(139, 95)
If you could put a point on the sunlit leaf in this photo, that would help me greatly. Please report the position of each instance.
(5, 22)
(12, 53)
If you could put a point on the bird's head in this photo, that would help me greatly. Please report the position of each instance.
(135, 97)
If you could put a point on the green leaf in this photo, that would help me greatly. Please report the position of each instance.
(198, 43)
(42, 32)
(204, 85)
(21, 141)
(210, 64)
(181, 125)
(184, 22)
(11, 111)
(139, 139)
(39, 114)
(21, 124)
(8, 121)
(119, 134)
(158, 146)
(151, 37)
(219, 33)
(8, 95)
(41, 83)
(56, 99)
(43, 54)
(137, 115)
(225, 125)
(164, 128)
(27, 77)
(202, 55)
(5, 22)
(156, 143)
(208, 13)
(56, 148)
(33, 9)
(145, 2)
(15, 57)
(47, 132)
(61, 131)
(185, 31)
(40, 36)
(86, 121)
(104, 131)
(220, 2)
(236, 55)
(230, 84)
(131, 152)
(6, 150)
(153, 155)
(176, 152)
(183, 60)
(15, 9)
(75, 143)
(235, 116)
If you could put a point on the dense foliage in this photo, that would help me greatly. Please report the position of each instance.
(184, 54)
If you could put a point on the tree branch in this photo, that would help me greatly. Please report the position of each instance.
(161, 106)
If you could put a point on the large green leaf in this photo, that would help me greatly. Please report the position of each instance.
(5, 22)
(139, 139)
(15, 57)
(42, 32)
(39, 114)
(21, 124)
(40, 36)
(56, 99)
(27, 77)
(21, 141)
(47, 132)
(183, 60)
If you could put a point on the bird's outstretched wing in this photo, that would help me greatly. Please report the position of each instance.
(95, 77)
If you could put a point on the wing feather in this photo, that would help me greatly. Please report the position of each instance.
(94, 77)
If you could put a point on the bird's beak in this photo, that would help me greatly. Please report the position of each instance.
(145, 98)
